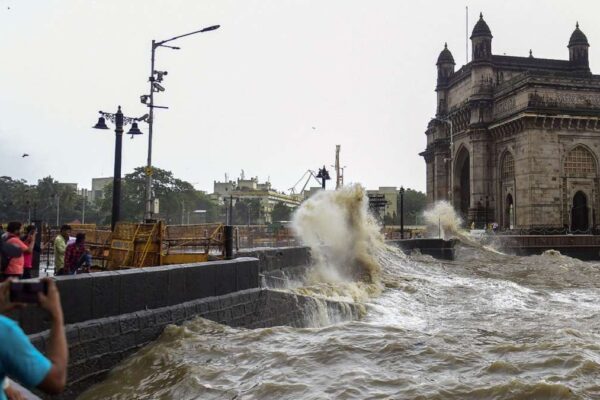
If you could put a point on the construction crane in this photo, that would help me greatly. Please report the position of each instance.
(308, 174)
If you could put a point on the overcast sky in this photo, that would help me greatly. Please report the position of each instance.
(246, 96)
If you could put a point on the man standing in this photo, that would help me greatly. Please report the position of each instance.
(14, 265)
(60, 245)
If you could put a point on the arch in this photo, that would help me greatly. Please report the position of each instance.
(580, 161)
(462, 177)
(579, 213)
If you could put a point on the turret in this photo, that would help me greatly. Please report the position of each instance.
(445, 66)
(578, 50)
(481, 41)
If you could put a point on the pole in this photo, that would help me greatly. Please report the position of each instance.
(148, 214)
(84, 191)
(182, 213)
(467, 35)
(116, 200)
(57, 209)
(401, 213)
(440, 227)
(230, 222)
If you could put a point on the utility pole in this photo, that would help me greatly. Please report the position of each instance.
(57, 209)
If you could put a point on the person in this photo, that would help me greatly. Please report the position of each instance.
(20, 360)
(76, 255)
(60, 245)
(15, 265)
(28, 238)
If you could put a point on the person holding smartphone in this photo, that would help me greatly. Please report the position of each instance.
(14, 268)
(28, 238)
(19, 359)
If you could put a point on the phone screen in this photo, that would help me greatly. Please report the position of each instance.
(26, 292)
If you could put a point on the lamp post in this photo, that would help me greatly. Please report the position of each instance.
(119, 120)
(401, 212)
(155, 78)
(451, 159)
(324, 175)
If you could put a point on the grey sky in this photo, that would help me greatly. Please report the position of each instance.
(247, 95)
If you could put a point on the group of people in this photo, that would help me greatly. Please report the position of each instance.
(70, 256)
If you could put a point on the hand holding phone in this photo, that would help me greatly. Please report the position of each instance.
(26, 292)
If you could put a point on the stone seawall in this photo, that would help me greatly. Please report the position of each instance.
(110, 315)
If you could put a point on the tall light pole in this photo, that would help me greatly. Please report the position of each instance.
(155, 78)
(451, 159)
(401, 212)
(119, 120)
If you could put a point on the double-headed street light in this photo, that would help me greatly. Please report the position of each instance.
(119, 120)
(156, 77)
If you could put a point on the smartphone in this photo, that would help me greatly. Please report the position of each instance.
(27, 292)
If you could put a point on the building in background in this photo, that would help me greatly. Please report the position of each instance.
(384, 202)
(97, 191)
(252, 190)
(516, 140)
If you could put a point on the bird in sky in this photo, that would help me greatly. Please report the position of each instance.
(314, 128)
(25, 155)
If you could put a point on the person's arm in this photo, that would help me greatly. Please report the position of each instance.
(30, 245)
(58, 353)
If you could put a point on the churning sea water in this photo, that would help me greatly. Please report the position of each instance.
(485, 326)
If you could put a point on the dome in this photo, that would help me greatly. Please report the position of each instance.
(445, 56)
(481, 28)
(578, 37)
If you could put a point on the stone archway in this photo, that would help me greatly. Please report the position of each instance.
(509, 212)
(462, 198)
(579, 213)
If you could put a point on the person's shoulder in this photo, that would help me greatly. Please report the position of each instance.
(8, 325)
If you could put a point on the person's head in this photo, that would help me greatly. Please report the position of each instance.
(80, 238)
(30, 230)
(65, 230)
(14, 227)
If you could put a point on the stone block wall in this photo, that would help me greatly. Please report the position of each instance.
(97, 346)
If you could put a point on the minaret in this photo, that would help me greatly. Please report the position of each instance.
(445, 70)
(481, 41)
(578, 50)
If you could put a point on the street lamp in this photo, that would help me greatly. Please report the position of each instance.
(119, 120)
(451, 159)
(156, 77)
(401, 212)
(324, 175)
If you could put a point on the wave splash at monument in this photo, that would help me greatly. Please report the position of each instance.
(487, 325)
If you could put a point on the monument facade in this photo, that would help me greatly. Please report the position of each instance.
(516, 140)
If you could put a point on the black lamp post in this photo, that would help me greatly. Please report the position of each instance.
(401, 212)
(324, 175)
(119, 120)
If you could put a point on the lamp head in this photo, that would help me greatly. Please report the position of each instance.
(101, 124)
(134, 130)
(210, 28)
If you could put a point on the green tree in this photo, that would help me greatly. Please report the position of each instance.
(246, 211)
(176, 198)
(280, 212)
(414, 205)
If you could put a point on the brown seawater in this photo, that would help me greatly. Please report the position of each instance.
(485, 326)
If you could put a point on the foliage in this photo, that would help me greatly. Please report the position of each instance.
(280, 212)
(45, 201)
(177, 198)
(414, 205)
(246, 211)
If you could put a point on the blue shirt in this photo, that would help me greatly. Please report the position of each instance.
(19, 359)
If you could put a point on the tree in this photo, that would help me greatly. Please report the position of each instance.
(414, 204)
(246, 211)
(176, 198)
(280, 212)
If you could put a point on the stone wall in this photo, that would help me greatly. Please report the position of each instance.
(97, 346)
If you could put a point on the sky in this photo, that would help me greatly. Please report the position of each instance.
(248, 95)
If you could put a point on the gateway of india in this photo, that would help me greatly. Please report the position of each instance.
(515, 140)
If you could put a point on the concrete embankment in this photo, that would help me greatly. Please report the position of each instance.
(109, 315)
